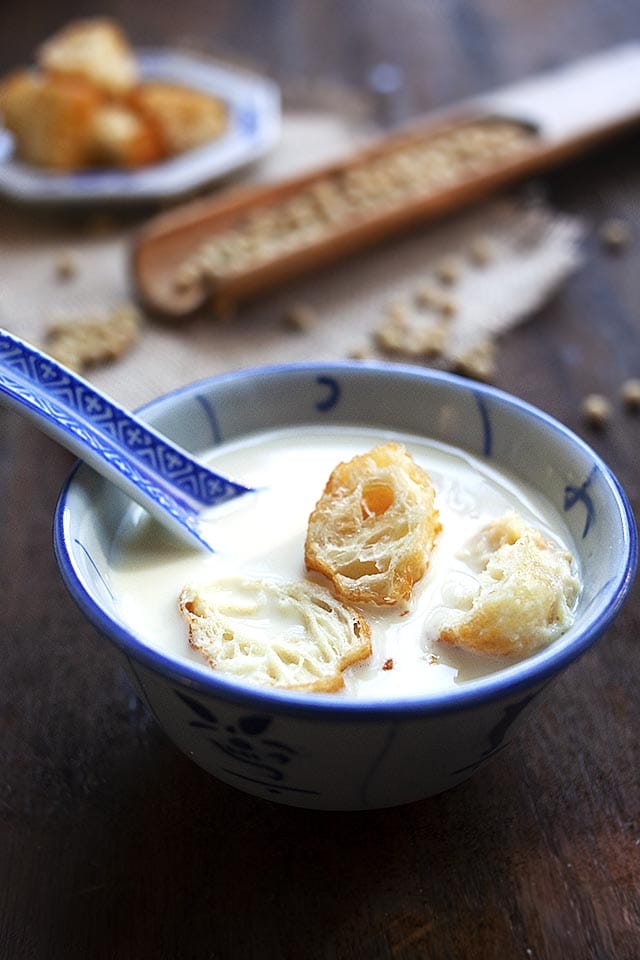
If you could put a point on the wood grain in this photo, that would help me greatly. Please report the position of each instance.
(114, 845)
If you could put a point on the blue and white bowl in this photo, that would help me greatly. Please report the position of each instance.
(334, 753)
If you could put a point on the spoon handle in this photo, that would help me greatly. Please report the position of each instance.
(157, 474)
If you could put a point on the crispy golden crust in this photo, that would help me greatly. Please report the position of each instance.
(372, 531)
(16, 91)
(183, 118)
(84, 106)
(294, 636)
(526, 591)
(93, 50)
(120, 137)
(50, 117)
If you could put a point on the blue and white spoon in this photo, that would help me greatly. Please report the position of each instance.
(163, 478)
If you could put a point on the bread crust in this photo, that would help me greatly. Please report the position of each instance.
(50, 117)
(291, 635)
(95, 50)
(83, 105)
(183, 118)
(527, 591)
(374, 527)
(120, 137)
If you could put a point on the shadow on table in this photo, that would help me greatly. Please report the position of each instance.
(178, 865)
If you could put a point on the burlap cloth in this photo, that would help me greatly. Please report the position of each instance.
(533, 249)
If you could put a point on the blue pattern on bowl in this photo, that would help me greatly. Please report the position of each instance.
(332, 398)
(487, 435)
(256, 758)
(574, 495)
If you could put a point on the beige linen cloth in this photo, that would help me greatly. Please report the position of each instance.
(533, 249)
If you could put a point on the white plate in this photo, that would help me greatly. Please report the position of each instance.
(253, 129)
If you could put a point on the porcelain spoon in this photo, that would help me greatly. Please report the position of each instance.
(163, 478)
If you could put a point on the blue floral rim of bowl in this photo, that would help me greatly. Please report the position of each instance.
(490, 403)
(253, 128)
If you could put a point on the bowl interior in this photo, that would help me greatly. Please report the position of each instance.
(476, 418)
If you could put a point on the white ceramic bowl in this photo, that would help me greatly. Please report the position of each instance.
(318, 751)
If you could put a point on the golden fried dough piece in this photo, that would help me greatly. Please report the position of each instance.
(17, 90)
(50, 117)
(95, 50)
(122, 138)
(526, 591)
(184, 118)
(372, 530)
(295, 636)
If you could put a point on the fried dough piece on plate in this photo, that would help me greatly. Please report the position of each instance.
(122, 138)
(51, 118)
(184, 118)
(95, 50)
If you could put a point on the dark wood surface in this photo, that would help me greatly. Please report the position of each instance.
(114, 845)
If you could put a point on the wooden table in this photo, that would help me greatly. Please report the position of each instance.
(114, 845)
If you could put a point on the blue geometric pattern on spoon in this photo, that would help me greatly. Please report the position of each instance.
(160, 476)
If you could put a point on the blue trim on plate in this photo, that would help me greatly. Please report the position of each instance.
(504, 684)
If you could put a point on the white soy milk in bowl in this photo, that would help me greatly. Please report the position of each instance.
(262, 535)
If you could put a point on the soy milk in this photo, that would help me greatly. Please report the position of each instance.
(262, 534)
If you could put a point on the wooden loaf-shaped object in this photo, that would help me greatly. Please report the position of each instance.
(237, 245)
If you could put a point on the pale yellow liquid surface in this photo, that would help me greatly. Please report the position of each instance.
(262, 534)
